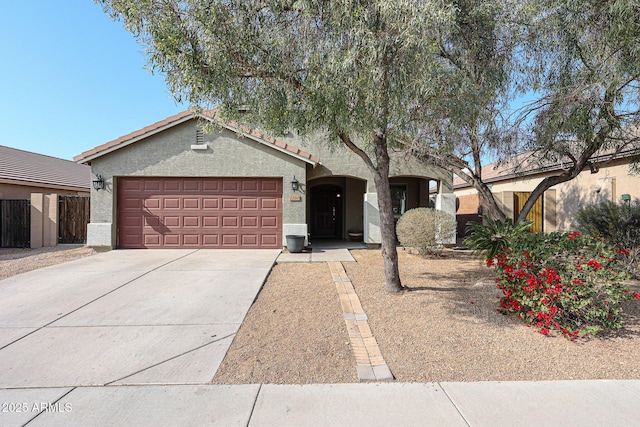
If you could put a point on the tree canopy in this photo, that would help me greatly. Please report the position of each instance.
(360, 70)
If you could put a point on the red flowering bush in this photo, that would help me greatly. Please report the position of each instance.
(562, 282)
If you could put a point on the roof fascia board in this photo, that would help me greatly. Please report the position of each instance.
(261, 141)
(136, 139)
(43, 185)
(123, 144)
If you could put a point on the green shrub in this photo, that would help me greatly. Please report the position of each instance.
(618, 225)
(496, 236)
(565, 282)
(425, 229)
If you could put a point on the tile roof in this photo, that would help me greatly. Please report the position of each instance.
(124, 140)
(528, 164)
(34, 169)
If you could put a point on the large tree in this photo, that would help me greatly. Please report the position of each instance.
(466, 123)
(585, 72)
(359, 70)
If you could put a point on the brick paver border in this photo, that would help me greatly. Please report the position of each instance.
(370, 364)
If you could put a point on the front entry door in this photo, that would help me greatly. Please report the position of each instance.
(326, 211)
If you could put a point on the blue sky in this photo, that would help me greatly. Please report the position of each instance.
(72, 79)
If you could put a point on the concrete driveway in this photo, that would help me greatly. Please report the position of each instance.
(126, 317)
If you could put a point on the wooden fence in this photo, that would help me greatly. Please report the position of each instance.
(73, 217)
(15, 223)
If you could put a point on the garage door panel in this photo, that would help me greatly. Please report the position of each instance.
(152, 185)
(191, 240)
(249, 203)
(231, 186)
(230, 240)
(191, 186)
(191, 203)
(250, 240)
(210, 240)
(172, 185)
(212, 203)
(249, 222)
(269, 204)
(132, 221)
(210, 221)
(270, 186)
(269, 222)
(152, 239)
(268, 239)
(131, 203)
(211, 186)
(191, 221)
(199, 212)
(152, 203)
(230, 204)
(171, 203)
(229, 222)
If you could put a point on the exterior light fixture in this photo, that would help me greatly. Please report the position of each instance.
(98, 183)
(294, 184)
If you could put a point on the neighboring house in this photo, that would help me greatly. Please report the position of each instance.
(608, 177)
(30, 189)
(23, 173)
(170, 185)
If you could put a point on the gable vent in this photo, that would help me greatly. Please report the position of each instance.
(199, 145)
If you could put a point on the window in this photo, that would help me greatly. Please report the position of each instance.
(398, 199)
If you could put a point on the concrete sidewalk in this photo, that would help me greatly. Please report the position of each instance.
(544, 403)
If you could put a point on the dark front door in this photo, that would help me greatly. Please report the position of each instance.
(326, 211)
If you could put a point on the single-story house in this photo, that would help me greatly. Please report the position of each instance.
(31, 188)
(607, 177)
(171, 185)
(23, 173)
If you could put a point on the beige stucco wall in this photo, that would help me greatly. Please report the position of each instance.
(16, 191)
(612, 180)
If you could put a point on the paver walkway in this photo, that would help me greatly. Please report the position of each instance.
(370, 364)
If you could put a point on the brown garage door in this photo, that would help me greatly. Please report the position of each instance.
(199, 212)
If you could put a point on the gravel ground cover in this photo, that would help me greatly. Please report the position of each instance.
(445, 329)
(16, 260)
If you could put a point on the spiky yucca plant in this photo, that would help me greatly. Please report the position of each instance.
(495, 236)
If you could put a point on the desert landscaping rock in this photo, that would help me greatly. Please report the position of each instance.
(446, 328)
(17, 261)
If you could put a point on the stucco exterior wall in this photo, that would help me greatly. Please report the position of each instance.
(169, 154)
(609, 183)
(14, 191)
(337, 159)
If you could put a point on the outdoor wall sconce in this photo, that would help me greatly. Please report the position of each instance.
(593, 168)
(98, 183)
(294, 184)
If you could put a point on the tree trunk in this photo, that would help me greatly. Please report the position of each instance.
(489, 205)
(387, 227)
(380, 172)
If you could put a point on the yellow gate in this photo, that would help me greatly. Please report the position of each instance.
(536, 214)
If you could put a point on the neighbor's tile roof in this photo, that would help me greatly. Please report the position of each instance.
(528, 164)
(181, 117)
(34, 169)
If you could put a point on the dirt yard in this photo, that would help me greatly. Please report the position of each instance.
(17, 261)
(446, 328)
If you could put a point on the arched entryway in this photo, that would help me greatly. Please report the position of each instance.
(326, 211)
